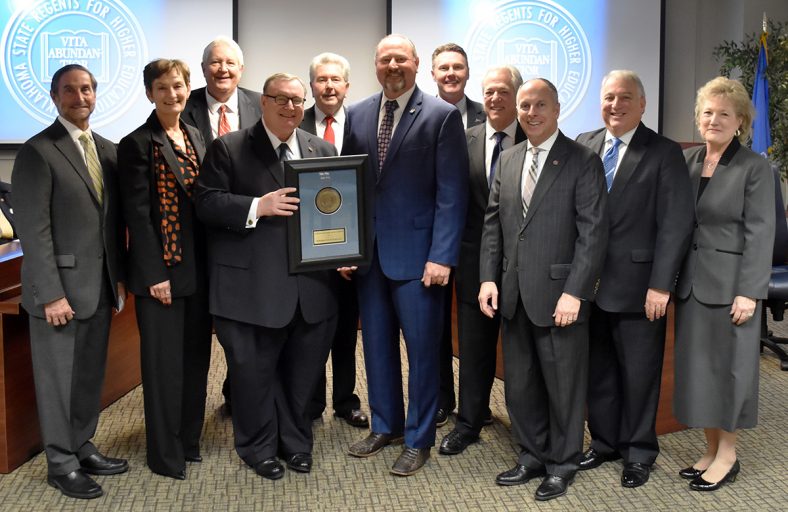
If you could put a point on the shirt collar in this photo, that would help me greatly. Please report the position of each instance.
(402, 100)
(545, 146)
(214, 104)
(292, 141)
(625, 138)
(73, 130)
(339, 117)
(510, 131)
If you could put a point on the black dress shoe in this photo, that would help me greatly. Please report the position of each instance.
(635, 474)
(76, 485)
(354, 418)
(553, 486)
(410, 461)
(593, 459)
(441, 417)
(194, 458)
(179, 475)
(691, 473)
(271, 469)
(373, 443)
(519, 475)
(699, 484)
(301, 462)
(456, 442)
(98, 464)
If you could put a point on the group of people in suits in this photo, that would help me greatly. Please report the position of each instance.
(571, 249)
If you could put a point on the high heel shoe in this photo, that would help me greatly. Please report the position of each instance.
(699, 484)
(691, 473)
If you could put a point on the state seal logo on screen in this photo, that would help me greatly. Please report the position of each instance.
(541, 39)
(102, 35)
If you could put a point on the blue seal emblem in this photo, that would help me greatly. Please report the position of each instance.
(541, 39)
(102, 35)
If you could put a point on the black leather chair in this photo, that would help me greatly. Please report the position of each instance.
(778, 284)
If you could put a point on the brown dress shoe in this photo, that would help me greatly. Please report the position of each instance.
(372, 444)
(410, 461)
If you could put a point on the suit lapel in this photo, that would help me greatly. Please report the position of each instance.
(695, 169)
(65, 144)
(198, 114)
(554, 164)
(476, 152)
(372, 130)
(626, 169)
(305, 144)
(267, 153)
(409, 115)
(246, 112)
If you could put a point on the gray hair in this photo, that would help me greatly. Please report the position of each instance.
(226, 41)
(624, 74)
(515, 78)
(329, 58)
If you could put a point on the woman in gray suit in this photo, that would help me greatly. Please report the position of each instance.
(725, 273)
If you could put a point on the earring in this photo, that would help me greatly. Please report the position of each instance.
(738, 132)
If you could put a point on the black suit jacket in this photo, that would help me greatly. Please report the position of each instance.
(249, 278)
(651, 215)
(467, 273)
(138, 186)
(196, 111)
(7, 208)
(68, 238)
(560, 245)
(474, 112)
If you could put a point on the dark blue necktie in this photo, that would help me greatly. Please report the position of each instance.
(499, 136)
(609, 161)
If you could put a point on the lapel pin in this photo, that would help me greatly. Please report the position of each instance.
(413, 111)
(310, 148)
(555, 162)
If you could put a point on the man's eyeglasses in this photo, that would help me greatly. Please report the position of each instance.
(281, 99)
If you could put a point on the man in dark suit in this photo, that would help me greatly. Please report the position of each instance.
(543, 242)
(7, 229)
(275, 327)
(420, 174)
(329, 75)
(651, 219)
(222, 107)
(450, 72)
(67, 213)
(477, 334)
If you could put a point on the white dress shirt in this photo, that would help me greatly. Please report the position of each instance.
(402, 101)
(231, 112)
(544, 150)
(489, 144)
(622, 148)
(338, 125)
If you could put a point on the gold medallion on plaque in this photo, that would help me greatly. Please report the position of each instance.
(328, 200)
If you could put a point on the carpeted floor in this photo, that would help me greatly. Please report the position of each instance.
(464, 482)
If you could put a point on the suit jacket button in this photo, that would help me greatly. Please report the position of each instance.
(694, 247)
(522, 237)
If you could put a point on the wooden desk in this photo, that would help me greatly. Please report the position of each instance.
(20, 438)
(666, 423)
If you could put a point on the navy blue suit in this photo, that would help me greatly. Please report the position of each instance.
(420, 199)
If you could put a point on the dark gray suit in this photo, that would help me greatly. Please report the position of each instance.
(475, 116)
(196, 111)
(343, 346)
(477, 334)
(650, 211)
(275, 327)
(73, 248)
(558, 248)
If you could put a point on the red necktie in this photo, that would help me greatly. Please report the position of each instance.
(224, 124)
(328, 135)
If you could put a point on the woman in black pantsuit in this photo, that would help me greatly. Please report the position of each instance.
(158, 164)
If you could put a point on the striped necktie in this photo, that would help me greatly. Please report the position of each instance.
(94, 167)
(385, 132)
(224, 123)
(609, 161)
(530, 180)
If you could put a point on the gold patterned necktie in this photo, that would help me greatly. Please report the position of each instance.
(530, 180)
(94, 167)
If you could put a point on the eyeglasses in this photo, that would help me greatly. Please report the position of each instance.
(281, 99)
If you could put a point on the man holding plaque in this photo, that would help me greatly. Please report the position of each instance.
(419, 164)
(328, 78)
(275, 327)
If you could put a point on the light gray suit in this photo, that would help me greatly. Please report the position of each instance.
(73, 248)
(558, 248)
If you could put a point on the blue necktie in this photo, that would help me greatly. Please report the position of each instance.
(499, 136)
(609, 161)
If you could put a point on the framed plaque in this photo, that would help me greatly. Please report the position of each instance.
(330, 229)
